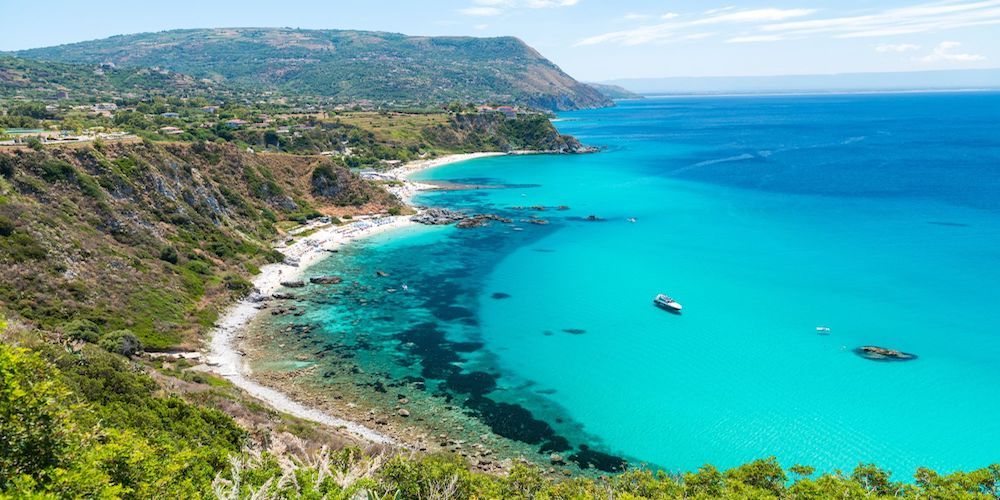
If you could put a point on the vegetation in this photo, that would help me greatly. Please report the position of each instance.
(90, 423)
(346, 66)
(54, 80)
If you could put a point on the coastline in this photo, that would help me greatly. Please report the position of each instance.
(224, 356)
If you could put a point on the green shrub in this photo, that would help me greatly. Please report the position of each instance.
(199, 266)
(238, 285)
(82, 329)
(6, 226)
(122, 342)
(57, 170)
(169, 254)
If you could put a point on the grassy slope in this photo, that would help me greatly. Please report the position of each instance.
(347, 65)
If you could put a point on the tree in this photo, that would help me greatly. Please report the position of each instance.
(874, 479)
(765, 474)
(122, 342)
(35, 415)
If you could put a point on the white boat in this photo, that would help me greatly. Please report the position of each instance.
(665, 302)
(823, 330)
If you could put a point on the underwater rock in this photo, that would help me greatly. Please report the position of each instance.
(877, 353)
(575, 331)
(325, 280)
(500, 295)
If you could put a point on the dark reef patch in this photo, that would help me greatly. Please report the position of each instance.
(587, 458)
(510, 421)
(575, 331)
(947, 223)
(555, 444)
(500, 295)
(466, 346)
(436, 355)
(475, 383)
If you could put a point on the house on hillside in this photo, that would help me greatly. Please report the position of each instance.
(508, 111)
(236, 123)
(170, 115)
(170, 131)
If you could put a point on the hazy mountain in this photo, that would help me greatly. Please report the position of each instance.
(615, 91)
(347, 65)
(916, 80)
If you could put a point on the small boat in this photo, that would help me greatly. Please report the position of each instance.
(823, 330)
(405, 288)
(665, 302)
(631, 219)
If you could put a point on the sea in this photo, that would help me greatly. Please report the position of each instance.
(793, 229)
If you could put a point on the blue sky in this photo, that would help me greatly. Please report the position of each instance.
(591, 39)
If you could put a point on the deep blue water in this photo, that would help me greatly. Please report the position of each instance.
(873, 215)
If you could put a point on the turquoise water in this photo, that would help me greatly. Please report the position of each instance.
(876, 216)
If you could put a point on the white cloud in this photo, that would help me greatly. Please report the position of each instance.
(897, 21)
(895, 47)
(481, 11)
(944, 52)
(497, 7)
(675, 30)
(754, 15)
(755, 38)
(669, 15)
(774, 24)
(481, 26)
(632, 16)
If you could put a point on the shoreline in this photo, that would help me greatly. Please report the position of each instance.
(224, 357)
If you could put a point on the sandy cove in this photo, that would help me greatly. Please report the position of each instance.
(224, 356)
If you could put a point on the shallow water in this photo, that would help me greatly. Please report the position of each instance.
(766, 217)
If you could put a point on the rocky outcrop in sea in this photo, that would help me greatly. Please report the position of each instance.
(444, 217)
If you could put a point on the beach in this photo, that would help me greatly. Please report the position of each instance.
(224, 355)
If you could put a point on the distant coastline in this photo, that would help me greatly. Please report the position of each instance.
(795, 93)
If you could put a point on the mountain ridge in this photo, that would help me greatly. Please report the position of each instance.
(346, 65)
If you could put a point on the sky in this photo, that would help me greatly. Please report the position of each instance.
(593, 40)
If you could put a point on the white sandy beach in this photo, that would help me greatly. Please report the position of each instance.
(224, 357)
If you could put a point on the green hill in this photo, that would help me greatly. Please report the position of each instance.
(48, 80)
(347, 65)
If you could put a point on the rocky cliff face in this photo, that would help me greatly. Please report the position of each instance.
(147, 237)
(494, 132)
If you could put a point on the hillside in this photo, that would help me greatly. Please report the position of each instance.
(34, 79)
(347, 65)
(152, 238)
